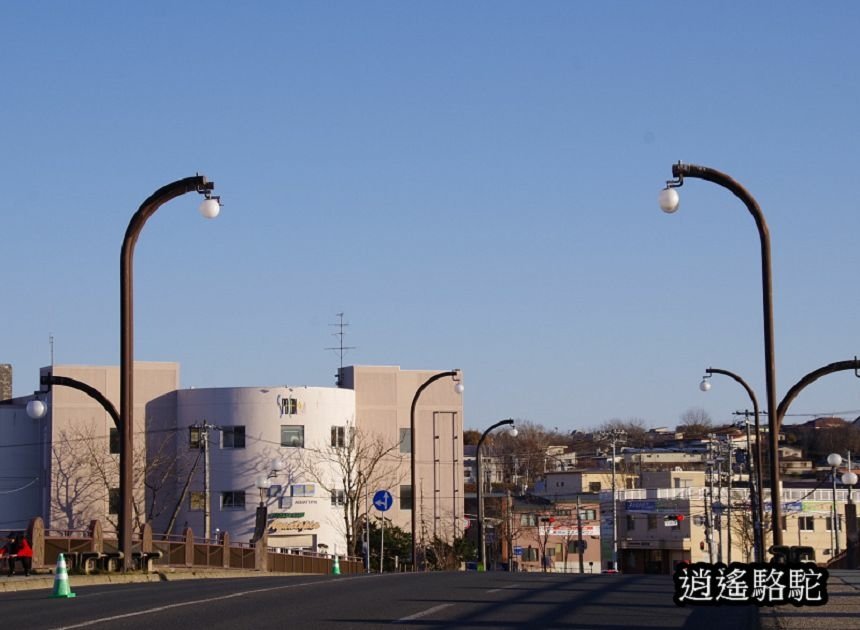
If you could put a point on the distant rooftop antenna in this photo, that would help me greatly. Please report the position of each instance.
(51, 344)
(340, 334)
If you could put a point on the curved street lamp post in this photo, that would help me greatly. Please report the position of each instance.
(756, 499)
(481, 529)
(669, 202)
(458, 387)
(209, 208)
(263, 483)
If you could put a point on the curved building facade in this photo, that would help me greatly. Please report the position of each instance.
(244, 431)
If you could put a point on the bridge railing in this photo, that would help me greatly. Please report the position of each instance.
(178, 550)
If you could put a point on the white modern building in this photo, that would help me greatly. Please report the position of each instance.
(273, 433)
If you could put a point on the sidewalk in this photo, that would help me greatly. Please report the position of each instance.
(842, 611)
(44, 579)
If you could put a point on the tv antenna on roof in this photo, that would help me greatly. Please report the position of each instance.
(340, 334)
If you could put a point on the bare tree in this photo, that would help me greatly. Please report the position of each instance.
(348, 467)
(695, 421)
(636, 429)
(85, 477)
(75, 491)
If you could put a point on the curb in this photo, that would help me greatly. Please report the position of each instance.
(46, 581)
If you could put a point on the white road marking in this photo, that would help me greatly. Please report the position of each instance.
(504, 588)
(423, 613)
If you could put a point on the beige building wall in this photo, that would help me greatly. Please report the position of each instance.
(79, 471)
(383, 400)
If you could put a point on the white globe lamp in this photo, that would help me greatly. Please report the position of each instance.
(669, 200)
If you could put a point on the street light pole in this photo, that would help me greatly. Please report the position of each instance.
(456, 376)
(669, 203)
(756, 498)
(263, 483)
(481, 528)
(209, 209)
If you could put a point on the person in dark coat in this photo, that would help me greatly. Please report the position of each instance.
(20, 550)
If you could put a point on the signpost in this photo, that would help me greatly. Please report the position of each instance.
(382, 501)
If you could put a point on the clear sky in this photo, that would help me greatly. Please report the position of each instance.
(474, 184)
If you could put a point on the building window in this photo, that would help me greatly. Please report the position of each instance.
(652, 521)
(233, 500)
(806, 524)
(467, 471)
(405, 497)
(528, 520)
(784, 523)
(289, 406)
(303, 490)
(113, 442)
(830, 523)
(594, 486)
(530, 554)
(631, 524)
(587, 515)
(405, 440)
(113, 501)
(338, 437)
(293, 435)
(338, 497)
(197, 501)
(195, 437)
(233, 437)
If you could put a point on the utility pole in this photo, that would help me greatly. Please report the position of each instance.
(720, 504)
(579, 536)
(614, 437)
(204, 427)
(729, 498)
(709, 512)
(758, 546)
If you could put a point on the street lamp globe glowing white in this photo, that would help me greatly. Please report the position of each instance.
(834, 459)
(705, 385)
(669, 200)
(849, 478)
(278, 465)
(263, 482)
(513, 432)
(459, 388)
(210, 207)
(36, 409)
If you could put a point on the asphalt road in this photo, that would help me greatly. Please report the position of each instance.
(423, 600)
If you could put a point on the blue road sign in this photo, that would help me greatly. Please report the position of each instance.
(518, 551)
(382, 500)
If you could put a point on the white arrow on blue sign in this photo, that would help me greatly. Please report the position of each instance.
(382, 500)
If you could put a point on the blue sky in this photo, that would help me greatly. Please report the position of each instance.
(474, 184)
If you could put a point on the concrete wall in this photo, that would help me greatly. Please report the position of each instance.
(383, 399)
(5, 381)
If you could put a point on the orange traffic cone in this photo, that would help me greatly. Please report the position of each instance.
(61, 579)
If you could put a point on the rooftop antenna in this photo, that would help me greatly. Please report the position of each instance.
(342, 349)
(51, 344)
